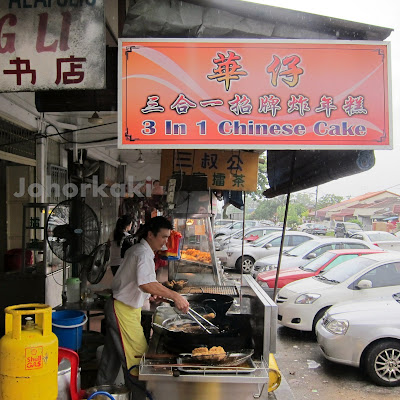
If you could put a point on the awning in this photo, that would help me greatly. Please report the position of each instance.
(294, 170)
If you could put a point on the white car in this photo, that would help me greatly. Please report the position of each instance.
(302, 254)
(250, 234)
(266, 245)
(385, 240)
(364, 334)
(302, 304)
(234, 227)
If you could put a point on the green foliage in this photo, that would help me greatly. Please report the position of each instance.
(328, 200)
(267, 208)
(262, 180)
(294, 213)
(357, 221)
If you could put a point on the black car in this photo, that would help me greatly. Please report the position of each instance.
(346, 229)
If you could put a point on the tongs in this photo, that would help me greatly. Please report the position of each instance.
(197, 317)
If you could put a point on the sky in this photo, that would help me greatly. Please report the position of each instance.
(385, 175)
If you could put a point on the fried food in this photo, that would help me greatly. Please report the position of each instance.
(200, 351)
(175, 285)
(209, 316)
(217, 353)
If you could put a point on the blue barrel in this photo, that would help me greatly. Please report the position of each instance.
(67, 326)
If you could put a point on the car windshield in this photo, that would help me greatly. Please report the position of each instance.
(377, 236)
(318, 262)
(222, 223)
(302, 248)
(348, 268)
(264, 239)
(351, 225)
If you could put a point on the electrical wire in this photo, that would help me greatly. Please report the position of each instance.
(41, 135)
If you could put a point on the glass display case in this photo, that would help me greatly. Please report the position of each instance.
(197, 262)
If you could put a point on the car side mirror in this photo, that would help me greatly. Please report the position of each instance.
(364, 284)
(311, 256)
(268, 245)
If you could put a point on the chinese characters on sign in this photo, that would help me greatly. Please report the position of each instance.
(47, 45)
(254, 95)
(226, 170)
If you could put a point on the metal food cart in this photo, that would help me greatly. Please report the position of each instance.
(168, 378)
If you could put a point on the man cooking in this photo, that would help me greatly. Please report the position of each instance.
(134, 283)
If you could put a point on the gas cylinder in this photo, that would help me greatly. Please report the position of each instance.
(28, 354)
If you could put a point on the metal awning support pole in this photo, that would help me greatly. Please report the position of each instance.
(284, 225)
(243, 229)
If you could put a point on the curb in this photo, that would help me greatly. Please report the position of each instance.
(284, 392)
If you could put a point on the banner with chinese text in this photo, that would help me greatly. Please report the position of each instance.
(254, 94)
(225, 170)
(50, 45)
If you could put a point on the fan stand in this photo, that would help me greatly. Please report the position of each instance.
(64, 267)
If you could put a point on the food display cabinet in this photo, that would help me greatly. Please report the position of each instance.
(197, 262)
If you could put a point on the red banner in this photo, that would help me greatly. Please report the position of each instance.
(254, 94)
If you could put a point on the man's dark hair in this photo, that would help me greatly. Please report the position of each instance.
(154, 225)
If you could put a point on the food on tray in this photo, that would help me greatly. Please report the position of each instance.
(196, 255)
(216, 353)
(175, 285)
(200, 351)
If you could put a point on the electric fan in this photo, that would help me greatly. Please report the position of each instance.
(73, 232)
(96, 263)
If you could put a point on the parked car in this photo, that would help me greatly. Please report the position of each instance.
(316, 229)
(302, 254)
(318, 265)
(250, 235)
(269, 244)
(346, 229)
(364, 334)
(302, 304)
(234, 227)
(384, 240)
(222, 222)
(303, 227)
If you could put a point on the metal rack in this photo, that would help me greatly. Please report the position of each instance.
(34, 220)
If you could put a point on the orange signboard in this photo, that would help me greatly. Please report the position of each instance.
(254, 94)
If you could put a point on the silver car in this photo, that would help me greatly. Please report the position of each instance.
(262, 247)
(364, 334)
(302, 254)
(250, 234)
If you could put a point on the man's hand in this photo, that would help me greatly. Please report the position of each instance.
(181, 303)
(156, 289)
(156, 299)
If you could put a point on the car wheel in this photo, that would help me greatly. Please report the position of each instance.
(246, 265)
(382, 363)
(317, 317)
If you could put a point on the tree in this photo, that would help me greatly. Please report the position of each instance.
(294, 213)
(328, 200)
(262, 180)
(267, 208)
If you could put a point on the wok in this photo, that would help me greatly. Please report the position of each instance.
(220, 303)
(235, 333)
